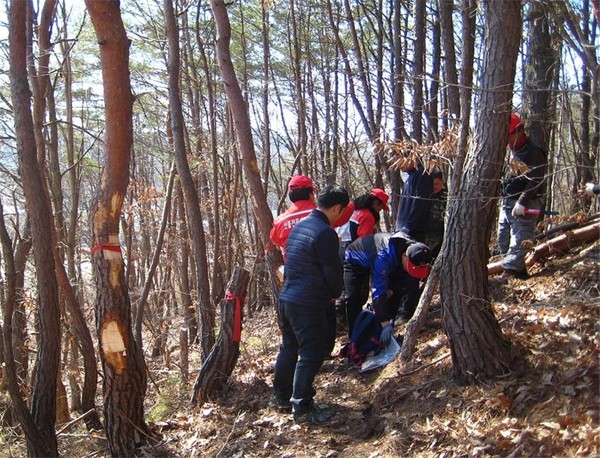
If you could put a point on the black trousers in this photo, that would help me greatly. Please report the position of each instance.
(301, 355)
(356, 287)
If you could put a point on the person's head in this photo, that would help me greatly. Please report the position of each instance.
(437, 178)
(380, 200)
(416, 260)
(301, 188)
(516, 130)
(332, 200)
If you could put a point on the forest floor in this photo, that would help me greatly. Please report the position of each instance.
(552, 408)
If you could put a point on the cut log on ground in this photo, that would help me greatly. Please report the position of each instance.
(222, 358)
(560, 244)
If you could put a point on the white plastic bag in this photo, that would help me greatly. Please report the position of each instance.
(386, 356)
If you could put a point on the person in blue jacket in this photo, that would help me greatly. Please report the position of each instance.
(395, 264)
(313, 279)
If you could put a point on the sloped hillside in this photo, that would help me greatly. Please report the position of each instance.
(552, 408)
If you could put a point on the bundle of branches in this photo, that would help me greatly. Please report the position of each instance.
(433, 155)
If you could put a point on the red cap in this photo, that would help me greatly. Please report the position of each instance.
(300, 182)
(515, 121)
(418, 259)
(382, 196)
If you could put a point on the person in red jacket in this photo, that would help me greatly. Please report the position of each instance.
(364, 218)
(302, 194)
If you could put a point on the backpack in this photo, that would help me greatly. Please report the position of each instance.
(364, 338)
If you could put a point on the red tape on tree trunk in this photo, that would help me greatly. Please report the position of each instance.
(106, 247)
(237, 318)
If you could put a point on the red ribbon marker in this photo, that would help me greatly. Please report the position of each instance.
(106, 247)
(237, 316)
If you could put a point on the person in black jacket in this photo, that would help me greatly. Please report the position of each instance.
(521, 198)
(415, 202)
(313, 278)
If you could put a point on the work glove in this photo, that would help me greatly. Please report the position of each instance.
(589, 189)
(386, 334)
(518, 210)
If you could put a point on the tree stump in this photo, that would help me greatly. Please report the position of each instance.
(222, 358)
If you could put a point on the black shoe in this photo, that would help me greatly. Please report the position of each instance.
(284, 405)
(520, 274)
(314, 414)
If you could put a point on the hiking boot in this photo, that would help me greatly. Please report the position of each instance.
(520, 274)
(275, 402)
(314, 414)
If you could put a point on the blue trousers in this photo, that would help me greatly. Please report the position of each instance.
(512, 231)
(302, 352)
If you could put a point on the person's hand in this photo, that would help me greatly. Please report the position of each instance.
(587, 190)
(386, 334)
(518, 210)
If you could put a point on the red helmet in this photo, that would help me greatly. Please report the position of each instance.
(515, 121)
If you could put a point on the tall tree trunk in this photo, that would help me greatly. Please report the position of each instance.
(469, 18)
(183, 267)
(434, 88)
(124, 383)
(418, 73)
(542, 63)
(43, 398)
(239, 112)
(297, 60)
(446, 8)
(206, 312)
(479, 349)
(42, 90)
(139, 314)
(10, 362)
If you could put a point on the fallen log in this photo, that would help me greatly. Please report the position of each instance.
(567, 227)
(223, 357)
(561, 244)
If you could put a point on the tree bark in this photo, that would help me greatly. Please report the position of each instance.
(206, 311)
(418, 73)
(450, 69)
(239, 112)
(222, 359)
(32, 434)
(139, 314)
(43, 398)
(479, 349)
(124, 384)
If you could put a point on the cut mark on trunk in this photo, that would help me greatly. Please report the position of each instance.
(113, 345)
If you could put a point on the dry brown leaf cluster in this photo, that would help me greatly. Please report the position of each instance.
(438, 154)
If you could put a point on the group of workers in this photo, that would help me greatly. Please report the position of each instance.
(331, 247)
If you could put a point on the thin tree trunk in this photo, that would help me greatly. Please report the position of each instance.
(25, 418)
(418, 73)
(124, 384)
(139, 314)
(220, 364)
(206, 312)
(468, 11)
(43, 398)
(446, 8)
(40, 83)
(239, 112)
